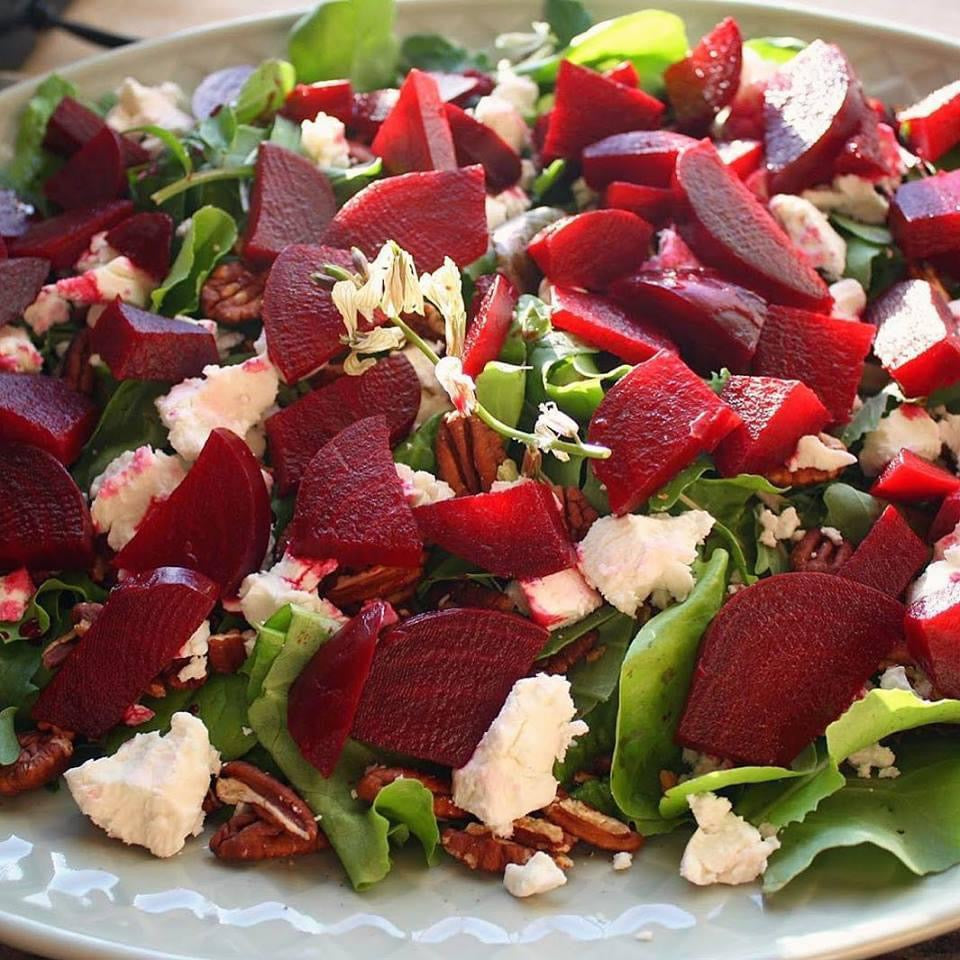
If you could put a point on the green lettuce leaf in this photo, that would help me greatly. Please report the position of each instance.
(405, 807)
(9, 744)
(265, 91)
(417, 451)
(870, 414)
(501, 388)
(851, 511)
(594, 683)
(19, 663)
(431, 51)
(776, 49)
(347, 182)
(49, 609)
(666, 497)
(567, 19)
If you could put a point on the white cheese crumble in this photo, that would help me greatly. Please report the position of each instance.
(631, 558)
(849, 299)
(774, 528)
(906, 428)
(433, 398)
(150, 792)
(17, 352)
(511, 771)
(811, 233)
(125, 491)
(142, 106)
(583, 195)
(724, 848)
(521, 92)
(421, 487)
(560, 599)
(948, 425)
(813, 454)
(503, 118)
(833, 535)
(292, 580)
(506, 205)
(98, 253)
(324, 140)
(700, 764)
(16, 589)
(237, 397)
(937, 576)
(622, 861)
(853, 196)
(874, 757)
(538, 875)
(195, 650)
(895, 678)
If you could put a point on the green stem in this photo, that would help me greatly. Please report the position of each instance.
(196, 179)
(416, 340)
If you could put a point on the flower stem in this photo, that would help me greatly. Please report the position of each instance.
(416, 340)
(196, 179)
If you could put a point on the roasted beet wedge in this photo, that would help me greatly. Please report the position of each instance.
(217, 521)
(369, 112)
(44, 520)
(297, 432)
(518, 532)
(889, 557)
(743, 157)
(924, 215)
(144, 623)
(145, 238)
(653, 204)
(591, 249)
(416, 135)
(774, 671)
(812, 106)
(492, 314)
(655, 421)
(292, 202)
(589, 107)
(932, 126)
(715, 323)
(647, 157)
(439, 679)
(20, 282)
(45, 412)
(824, 353)
(351, 506)
(908, 478)
(625, 73)
(932, 625)
(474, 142)
(947, 518)
(603, 323)
(462, 88)
(728, 228)
(405, 209)
(306, 100)
(94, 174)
(863, 154)
(62, 239)
(137, 345)
(72, 125)
(303, 326)
(703, 83)
(324, 698)
(775, 415)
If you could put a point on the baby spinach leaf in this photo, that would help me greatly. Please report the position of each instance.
(19, 663)
(285, 133)
(265, 91)
(596, 743)
(597, 794)
(350, 181)
(404, 807)
(567, 19)
(501, 388)
(593, 683)
(871, 412)
(851, 511)
(49, 609)
(777, 49)
(566, 635)
(9, 744)
(667, 496)
(417, 451)
(29, 157)
(877, 235)
(431, 51)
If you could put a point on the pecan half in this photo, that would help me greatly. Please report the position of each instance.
(44, 755)
(577, 512)
(466, 593)
(817, 553)
(807, 476)
(226, 652)
(479, 849)
(468, 455)
(246, 837)
(76, 369)
(571, 654)
(233, 294)
(377, 777)
(542, 835)
(592, 826)
(393, 584)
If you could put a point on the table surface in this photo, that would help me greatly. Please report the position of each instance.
(143, 19)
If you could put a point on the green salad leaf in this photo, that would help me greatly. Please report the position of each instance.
(417, 451)
(566, 635)
(598, 742)
(567, 19)
(49, 609)
(871, 412)
(265, 91)
(19, 663)
(9, 744)
(851, 511)
(777, 49)
(593, 683)
(405, 807)
(433, 52)
(667, 497)
(549, 178)
(351, 180)
(501, 388)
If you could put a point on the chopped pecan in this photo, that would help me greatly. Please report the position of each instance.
(430, 325)
(393, 584)
(233, 294)
(377, 777)
(76, 369)
(668, 780)
(468, 454)
(44, 755)
(246, 837)
(818, 553)
(577, 512)
(466, 593)
(479, 849)
(82, 616)
(571, 654)
(542, 835)
(807, 476)
(592, 826)
(226, 652)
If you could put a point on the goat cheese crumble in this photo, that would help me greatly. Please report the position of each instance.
(16, 589)
(538, 875)
(143, 106)
(292, 580)
(622, 861)
(811, 233)
(506, 205)
(560, 599)
(421, 487)
(17, 352)
(813, 454)
(324, 140)
(195, 651)
(503, 118)
(937, 575)
(853, 196)
(906, 428)
(774, 528)
(874, 757)
(849, 299)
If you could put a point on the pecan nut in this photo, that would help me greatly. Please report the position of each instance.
(377, 777)
(818, 553)
(593, 827)
(76, 369)
(44, 755)
(466, 593)
(468, 455)
(479, 849)
(233, 294)
(226, 652)
(583, 648)
(807, 476)
(393, 584)
(578, 514)
(430, 324)
(246, 837)
(542, 835)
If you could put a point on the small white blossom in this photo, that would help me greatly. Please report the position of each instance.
(459, 387)
(444, 289)
(551, 425)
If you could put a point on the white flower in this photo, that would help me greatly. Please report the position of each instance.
(459, 387)
(444, 289)
(551, 425)
(394, 270)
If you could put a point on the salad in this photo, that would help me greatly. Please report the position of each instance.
(521, 454)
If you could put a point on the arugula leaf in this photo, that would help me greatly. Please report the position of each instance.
(548, 178)
(9, 744)
(346, 38)
(29, 157)
(566, 635)
(209, 238)
(851, 511)
(653, 689)
(667, 496)
(777, 49)
(49, 609)
(431, 51)
(871, 412)
(19, 663)
(172, 142)
(567, 19)
(349, 182)
(594, 683)
(501, 388)
(404, 807)
(265, 91)
(417, 451)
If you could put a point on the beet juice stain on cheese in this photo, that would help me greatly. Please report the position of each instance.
(526, 455)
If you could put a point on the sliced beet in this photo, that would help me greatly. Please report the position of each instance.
(62, 239)
(72, 125)
(775, 415)
(475, 142)
(44, 520)
(323, 700)
(932, 126)
(351, 506)
(145, 239)
(219, 89)
(439, 679)
(369, 112)
(947, 518)
(292, 202)
(715, 323)
(604, 323)
(491, 316)
(743, 157)
(217, 521)
(863, 154)
(704, 82)
(462, 88)
(296, 433)
(647, 157)
(889, 557)
(137, 345)
(653, 204)
(406, 209)
(20, 281)
(925, 215)
(908, 478)
(144, 623)
(812, 106)
(45, 412)
(306, 100)
(589, 106)
(485, 529)
(655, 421)
(932, 626)
(824, 353)
(94, 174)
(302, 324)
(591, 249)
(782, 660)
(728, 228)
